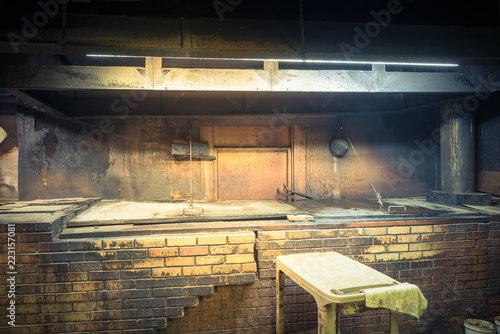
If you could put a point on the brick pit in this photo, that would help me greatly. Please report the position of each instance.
(215, 282)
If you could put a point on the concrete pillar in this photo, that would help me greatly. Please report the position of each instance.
(457, 150)
(457, 159)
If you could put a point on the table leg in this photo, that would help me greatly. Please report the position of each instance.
(394, 322)
(328, 319)
(280, 302)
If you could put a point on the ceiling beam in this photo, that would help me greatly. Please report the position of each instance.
(36, 103)
(23, 76)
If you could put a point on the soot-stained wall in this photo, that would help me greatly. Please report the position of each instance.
(130, 158)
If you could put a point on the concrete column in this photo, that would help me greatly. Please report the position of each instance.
(457, 159)
(457, 150)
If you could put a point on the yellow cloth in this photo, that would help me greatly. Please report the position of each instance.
(404, 298)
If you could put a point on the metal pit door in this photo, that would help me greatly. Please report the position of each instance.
(251, 173)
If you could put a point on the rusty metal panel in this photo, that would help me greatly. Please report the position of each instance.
(251, 173)
(252, 136)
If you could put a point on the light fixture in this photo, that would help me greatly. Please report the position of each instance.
(291, 60)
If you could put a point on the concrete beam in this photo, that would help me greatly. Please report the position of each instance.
(270, 79)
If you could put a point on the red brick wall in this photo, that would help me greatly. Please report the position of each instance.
(117, 285)
(206, 282)
(455, 265)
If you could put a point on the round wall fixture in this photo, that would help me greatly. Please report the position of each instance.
(339, 147)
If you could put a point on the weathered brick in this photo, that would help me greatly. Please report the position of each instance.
(53, 268)
(52, 247)
(445, 228)
(132, 254)
(73, 317)
(87, 286)
(102, 255)
(249, 267)
(397, 248)
(118, 284)
(34, 237)
(137, 293)
(398, 230)
(85, 245)
(117, 265)
(408, 238)
(151, 283)
(299, 234)
(150, 263)
(179, 261)
(386, 257)
(103, 275)
(384, 240)
(71, 277)
(212, 239)
(207, 260)
(164, 252)
(420, 246)
(150, 243)
(239, 258)
(221, 250)
(71, 297)
(374, 249)
(85, 266)
(182, 301)
(56, 308)
(135, 273)
(150, 303)
(429, 254)
(191, 251)
(268, 235)
(198, 291)
(88, 306)
(478, 235)
(68, 257)
(39, 299)
(197, 271)
(455, 236)
(372, 231)
(410, 255)
(167, 292)
(27, 309)
(226, 269)
(117, 244)
(241, 238)
(167, 272)
(422, 229)
(181, 241)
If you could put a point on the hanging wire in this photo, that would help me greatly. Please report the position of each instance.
(379, 197)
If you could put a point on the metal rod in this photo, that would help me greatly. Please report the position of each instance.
(379, 197)
(190, 172)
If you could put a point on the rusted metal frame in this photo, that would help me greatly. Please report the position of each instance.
(242, 149)
(296, 192)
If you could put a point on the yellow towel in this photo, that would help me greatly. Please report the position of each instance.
(404, 298)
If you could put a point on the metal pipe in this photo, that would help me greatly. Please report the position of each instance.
(457, 150)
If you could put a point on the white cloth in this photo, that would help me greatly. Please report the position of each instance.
(404, 298)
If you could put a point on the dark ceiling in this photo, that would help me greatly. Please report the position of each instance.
(418, 12)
